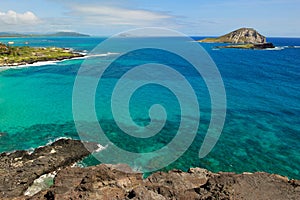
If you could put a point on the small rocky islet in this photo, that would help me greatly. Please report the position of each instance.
(20, 170)
(243, 38)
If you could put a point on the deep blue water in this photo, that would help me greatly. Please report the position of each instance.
(262, 127)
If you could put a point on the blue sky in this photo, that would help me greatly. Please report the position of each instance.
(192, 17)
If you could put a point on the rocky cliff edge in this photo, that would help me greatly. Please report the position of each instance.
(20, 170)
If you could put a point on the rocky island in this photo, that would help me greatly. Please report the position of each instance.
(21, 55)
(244, 38)
(21, 172)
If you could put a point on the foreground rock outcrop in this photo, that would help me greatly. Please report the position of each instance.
(107, 182)
(19, 169)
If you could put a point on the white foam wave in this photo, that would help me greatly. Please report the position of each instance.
(278, 48)
(3, 68)
(100, 148)
(102, 55)
(31, 149)
(54, 140)
(275, 49)
(36, 64)
(42, 63)
(79, 164)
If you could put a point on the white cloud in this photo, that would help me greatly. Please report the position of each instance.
(13, 18)
(110, 15)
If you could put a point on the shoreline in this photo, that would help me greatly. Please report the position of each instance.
(261, 46)
(9, 65)
(50, 170)
(53, 62)
(40, 63)
(11, 56)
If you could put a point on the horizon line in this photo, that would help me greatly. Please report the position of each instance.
(99, 35)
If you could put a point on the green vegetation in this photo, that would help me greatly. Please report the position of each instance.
(228, 38)
(224, 39)
(12, 55)
(210, 40)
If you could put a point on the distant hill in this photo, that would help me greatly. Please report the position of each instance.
(71, 34)
(58, 34)
(7, 34)
(239, 36)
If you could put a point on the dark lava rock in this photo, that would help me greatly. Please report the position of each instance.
(106, 182)
(266, 45)
(19, 169)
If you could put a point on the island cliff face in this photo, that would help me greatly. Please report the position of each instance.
(19, 172)
(243, 38)
(240, 36)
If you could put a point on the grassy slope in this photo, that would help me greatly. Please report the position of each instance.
(222, 39)
(24, 55)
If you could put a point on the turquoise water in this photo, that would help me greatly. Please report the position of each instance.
(262, 128)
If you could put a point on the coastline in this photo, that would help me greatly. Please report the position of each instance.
(53, 62)
(49, 173)
(248, 46)
(41, 62)
(11, 56)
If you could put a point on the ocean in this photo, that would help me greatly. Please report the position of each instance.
(261, 130)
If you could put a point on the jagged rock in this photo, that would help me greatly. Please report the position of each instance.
(106, 182)
(264, 45)
(19, 169)
(267, 45)
(240, 36)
